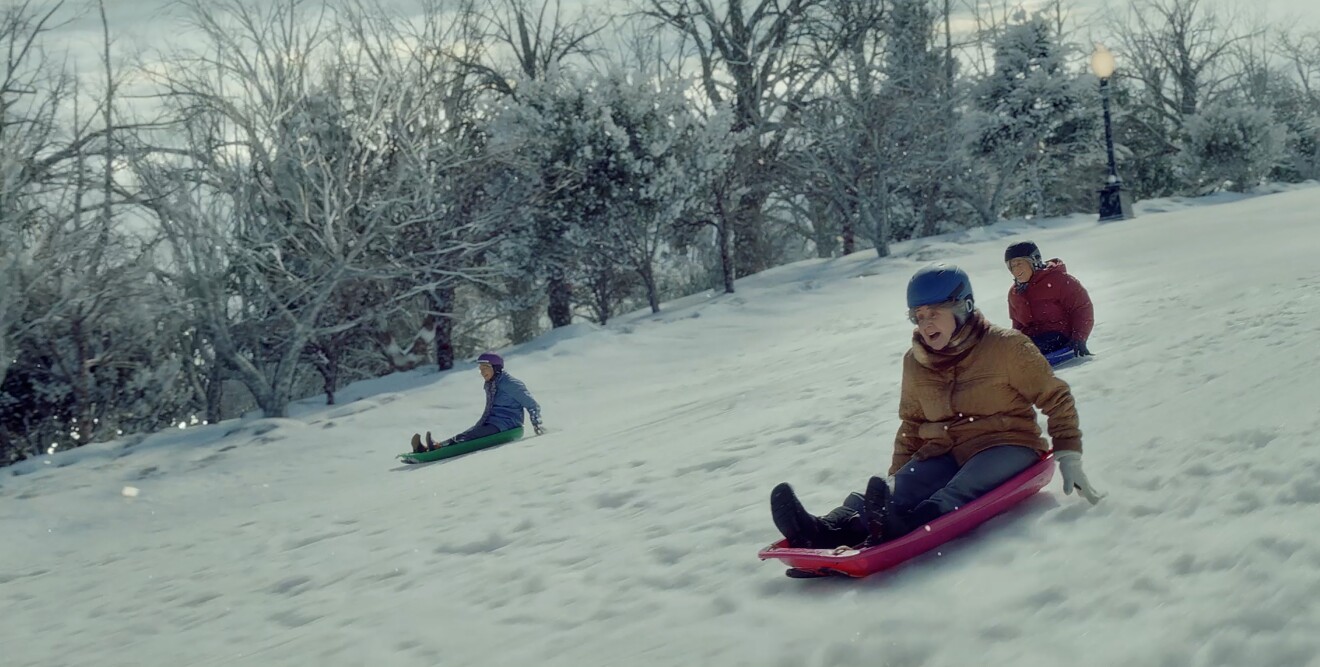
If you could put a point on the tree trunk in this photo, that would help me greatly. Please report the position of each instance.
(931, 214)
(524, 320)
(822, 229)
(602, 298)
(751, 252)
(82, 384)
(882, 221)
(215, 392)
(652, 292)
(561, 302)
(1189, 91)
(331, 373)
(278, 389)
(949, 57)
(442, 305)
(846, 207)
(726, 259)
(274, 404)
(324, 356)
(604, 290)
(330, 378)
(524, 325)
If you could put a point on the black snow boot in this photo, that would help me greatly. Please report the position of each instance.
(844, 525)
(890, 524)
(417, 445)
(802, 530)
(907, 522)
(877, 512)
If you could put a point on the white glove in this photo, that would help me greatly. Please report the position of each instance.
(1070, 466)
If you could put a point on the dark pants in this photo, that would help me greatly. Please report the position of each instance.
(938, 486)
(1050, 342)
(478, 431)
(924, 490)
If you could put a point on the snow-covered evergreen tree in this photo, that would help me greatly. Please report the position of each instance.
(917, 144)
(664, 159)
(619, 162)
(1145, 145)
(1035, 123)
(1231, 146)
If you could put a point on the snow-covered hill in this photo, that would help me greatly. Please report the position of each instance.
(628, 535)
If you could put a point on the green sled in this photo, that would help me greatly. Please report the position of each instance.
(461, 448)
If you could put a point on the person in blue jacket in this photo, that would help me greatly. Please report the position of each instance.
(506, 398)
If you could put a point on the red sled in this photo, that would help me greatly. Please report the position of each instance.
(848, 562)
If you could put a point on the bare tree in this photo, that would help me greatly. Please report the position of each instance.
(32, 92)
(1297, 100)
(763, 60)
(281, 212)
(80, 335)
(837, 154)
(1301, 53)
(1180, 51)
(438, 114)
(520, 40)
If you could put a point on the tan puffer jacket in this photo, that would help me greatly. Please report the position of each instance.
(979, 392)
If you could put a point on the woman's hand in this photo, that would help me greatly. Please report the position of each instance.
(1070, 466)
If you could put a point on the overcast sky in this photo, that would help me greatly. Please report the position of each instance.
(149, 21)
(154, 24)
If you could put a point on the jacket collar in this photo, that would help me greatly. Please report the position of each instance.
(1049, 269)
(964, 339)
(1052, 268)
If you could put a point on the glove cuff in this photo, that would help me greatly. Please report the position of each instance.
(1067, 455)
(1067, 444)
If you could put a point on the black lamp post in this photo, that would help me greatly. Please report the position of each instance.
(1114, 203)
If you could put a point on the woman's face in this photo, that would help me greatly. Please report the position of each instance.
(936, 324)
(1021, 269)
(487, 371)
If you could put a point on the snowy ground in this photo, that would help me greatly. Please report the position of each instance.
(628, 535)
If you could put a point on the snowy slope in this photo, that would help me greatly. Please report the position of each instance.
(628, 534)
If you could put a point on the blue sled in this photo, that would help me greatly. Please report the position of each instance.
(1061, 355)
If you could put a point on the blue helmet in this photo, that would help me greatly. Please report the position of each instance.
(939, 283)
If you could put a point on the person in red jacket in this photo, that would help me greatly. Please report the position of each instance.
(1047, 303)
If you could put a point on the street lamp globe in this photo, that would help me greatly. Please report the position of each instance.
(1102, 61)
